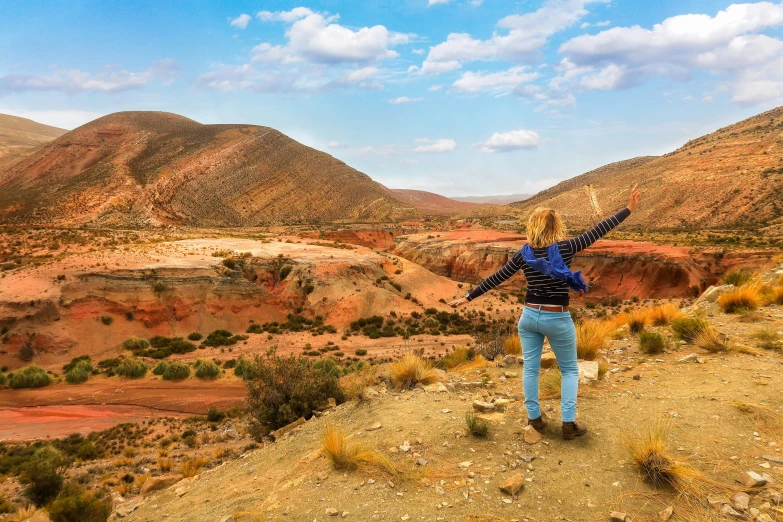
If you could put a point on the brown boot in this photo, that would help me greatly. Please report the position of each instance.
(538, 424)
(572, 430)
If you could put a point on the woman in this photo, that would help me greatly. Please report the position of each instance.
(546, 261)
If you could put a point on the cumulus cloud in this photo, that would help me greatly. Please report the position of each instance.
(434, 146)
(241, 21)
(75, 80)
(284, 16)
(503, 81)
(436, 2)
(510, 141)
(727, 44)
(337, 145)
(526, 34)
(404, 99)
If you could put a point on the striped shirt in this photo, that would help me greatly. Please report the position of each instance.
(542, 289)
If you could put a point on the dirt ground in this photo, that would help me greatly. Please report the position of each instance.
(581, 480)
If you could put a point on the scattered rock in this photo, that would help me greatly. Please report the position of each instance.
(405, 447)
(374, 427)
(422, 461)
(773, 458)
(158, 483)
(125, 509)
(588, 371)
(437, 387)
(531, 435)
(741, 501)
(774, 497)
(277, 434)
(508, 360)
(227, 518)
(331, 512)
(483, 407)
(751, 479)
(728, 511)
(513, 484)
(501, 404)
(666, 514)
(691, 358)
(619, 516)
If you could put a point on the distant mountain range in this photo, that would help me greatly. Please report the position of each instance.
(493, 200)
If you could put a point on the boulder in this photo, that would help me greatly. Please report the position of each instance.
(691, 358)
(483, 407)
(513, 484)
(751, 479)
(437, 387)
(588, 371)
(531, 435)
(740, 501)
(619, 516)
(501, 404)
(666, 514)
(277, 434)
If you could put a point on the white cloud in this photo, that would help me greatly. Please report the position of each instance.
(241, 21)
(510, 141)
(504, 81)
(527, 33)
(75, 80)
(337, 145)
(64, 119)
(284, 16)
(436, 88)
(404, 99)
(597, 24)
(436, 2)
(437, 146)
(727, 44)
(418, 51)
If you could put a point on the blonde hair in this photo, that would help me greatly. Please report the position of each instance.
(544, 228)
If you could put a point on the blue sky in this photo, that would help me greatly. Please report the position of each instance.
(460, 97)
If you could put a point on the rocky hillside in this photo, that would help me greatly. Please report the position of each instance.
(20, 136)
(731, 178)
(430, 201)
(153, 168)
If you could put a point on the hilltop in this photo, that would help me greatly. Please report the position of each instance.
(20, 136)
(431, 201)
(731, 178)
(157, 168)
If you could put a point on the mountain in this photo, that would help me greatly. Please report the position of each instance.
(429, 201)
(493, 200)
(156, 168)
(20, 136)
(732, 178)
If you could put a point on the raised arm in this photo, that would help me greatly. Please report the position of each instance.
(586, 239)
(512, 267)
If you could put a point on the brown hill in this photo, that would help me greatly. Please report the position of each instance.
(732, 178)
(430, 201)
(152, 168)
(20, 136)
(494, 200)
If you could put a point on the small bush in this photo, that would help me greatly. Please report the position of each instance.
(737, 277)
(652, 343)
(664, 315)
(193, 467)
(282, 389)
(107, 319)
(410, 370)
(207, 370)
(637, 321)
(160, 368)
(591, 336)
(78, 374)
(242, 367)
(768, 340)
(215, 415)
(347, 455)
(686, 328)
(476, 426)
(457, 357)
(134, 344)
(740, 299)
(329, 366)
(30, 377)
(195, 336)
(709, 339)
(512, 345)
(42, 475)
(284, 271)
(176, 371)
(222, 338)
(76, 505)
(131, 368)
(360, 352)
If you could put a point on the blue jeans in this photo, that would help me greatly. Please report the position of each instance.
(559, 328)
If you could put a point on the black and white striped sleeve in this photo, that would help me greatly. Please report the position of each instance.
(583, 241)
(512, 267)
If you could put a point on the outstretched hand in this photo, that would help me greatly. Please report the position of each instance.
(634, 200)
(458, 302)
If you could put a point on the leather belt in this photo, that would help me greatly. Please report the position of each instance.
(548, 308)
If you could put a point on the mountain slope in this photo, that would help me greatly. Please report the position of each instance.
(430, 201)
(20, 136)
(732, 178)
(493, 200)
(153, 168)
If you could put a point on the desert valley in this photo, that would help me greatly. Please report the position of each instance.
(216, 322)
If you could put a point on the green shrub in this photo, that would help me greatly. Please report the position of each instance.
(77, 361)
(195, 336)
(361, 352)
(78, 375)
(282, 389)
(215, 415)
(242, 367)
(222, 338)
(30, 377)
(135, 344)
(651, 342)
(329, 366)
(768, 339)
(176, 371)
(74, 504)
(207, 370)
(737, 276)
(131, 368)
(160, 368)
(107, 320)
(687, 328)
(5, 506)
(284, 271)
(42, 475)
(476, 426)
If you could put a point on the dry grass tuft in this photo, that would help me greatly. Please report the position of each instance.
(348, 455)
(476, 363)
(550, 384)
(637, 320)
(512, 345)
(458, 356)
(164, 464)
(355, 384)
(476, 426)
(411, 370)
(192, 467)
(664, 315)
(747, 297)
(779, 294)
(712, 341)
(763, 416)
(23, 514)
(591, 336)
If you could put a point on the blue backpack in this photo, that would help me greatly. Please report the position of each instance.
(554, 266)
